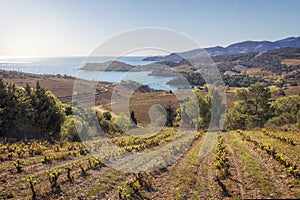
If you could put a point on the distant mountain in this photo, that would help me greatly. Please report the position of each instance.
(241, 47)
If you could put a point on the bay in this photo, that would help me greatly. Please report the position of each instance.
(71, 66)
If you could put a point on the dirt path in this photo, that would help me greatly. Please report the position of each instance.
(166, 184)
(190, 177)
(101, 109)
(206, 172)
(238, 183)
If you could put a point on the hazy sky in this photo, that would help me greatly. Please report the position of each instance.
(77, 27)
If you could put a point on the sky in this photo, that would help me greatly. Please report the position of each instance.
(45, 28)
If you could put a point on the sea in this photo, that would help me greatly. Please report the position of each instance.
(71, 66)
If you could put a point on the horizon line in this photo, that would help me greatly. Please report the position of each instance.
(163, 54)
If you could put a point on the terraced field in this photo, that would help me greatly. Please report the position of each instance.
(242, 164)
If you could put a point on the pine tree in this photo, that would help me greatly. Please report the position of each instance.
(3, 121)
(49, 114)
(133, 118)
(25, 110)
(171, 115)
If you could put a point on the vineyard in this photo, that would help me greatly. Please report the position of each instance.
(242, 164)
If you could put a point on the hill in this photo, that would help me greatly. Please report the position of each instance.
(274, 67)
(108, 66)
(241, 47)
(274, 61)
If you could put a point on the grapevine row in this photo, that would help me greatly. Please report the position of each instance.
(278, 137)
(291, 167)
(222, 164)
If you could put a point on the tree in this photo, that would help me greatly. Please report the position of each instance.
(254, 108)
(49, 113)
(3, 122)
(286, 110)
(260, 99)
(189, 113)
(242, 94)
(170, 114)
(197, 112)
(105, 125)
(24, 116)
(133, 118)
(26, 110)
(11, 109)
(217, 107)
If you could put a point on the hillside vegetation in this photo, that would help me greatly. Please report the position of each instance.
(273, 67)
(51, 150)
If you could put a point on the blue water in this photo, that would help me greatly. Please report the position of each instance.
(71, 65)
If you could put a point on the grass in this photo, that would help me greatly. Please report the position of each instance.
(289, 151)
(253, 173)
(251, 167)
(109, 180)
(185, 174)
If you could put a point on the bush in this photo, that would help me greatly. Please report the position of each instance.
(107, 115)
(275, 121)
(286, 110)
(105, 125)
(68, 130)
(122, 123)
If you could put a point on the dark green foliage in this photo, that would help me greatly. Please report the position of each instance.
(186, 78)
(69, 130)
(133, 119)
(106, 123)
(107, 115)
(49, 113)
(239, 80)
(285, 111)
(171, 115)
(217, 107)
(68, 110)
(189, 112)
(253, 110)
(105, 126)
(196, 79)
(202, 111)
(86, 124)
(270, 60)
(29, 112)
(121, 123)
